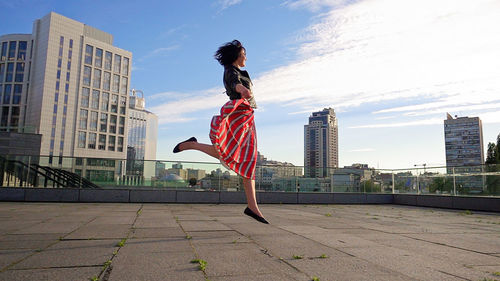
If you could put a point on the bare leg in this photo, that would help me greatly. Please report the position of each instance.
(249, 185)
(206, 148)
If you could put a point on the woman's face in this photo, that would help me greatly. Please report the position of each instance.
(240, 61)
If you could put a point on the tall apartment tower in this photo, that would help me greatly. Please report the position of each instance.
(463, 141)
(465, 152)
(321, 144)
(142, 137)
(67, 82)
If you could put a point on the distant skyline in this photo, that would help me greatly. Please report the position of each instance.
(390, 69)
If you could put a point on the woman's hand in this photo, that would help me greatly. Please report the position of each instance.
(245, 93)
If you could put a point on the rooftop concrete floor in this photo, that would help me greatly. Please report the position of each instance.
(76, 241)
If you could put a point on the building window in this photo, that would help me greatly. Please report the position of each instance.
(104, 101)
(18, 90)
(81, 139)
(12, 50)
(21, 53)
(69, 65)
(19, 72)
(5, 116)
(106, 81)
(93, 120)
(3, 55)
(95, 99)
(10, 72)
(114, 103)
(97, 79)
(125, 66)
(85, 97)
(71, 43)
(116, 83)
(111, 143)
(104, 122)
(102, 142)
(119, 146)
(123, 87)
(83, 119)
(107, 61)
(6, 93)
(123, 104)
(67, 76)
(98, 57)
(118, 62)
(121, 126)
(89, 50)
(14, 116)
(112, 124)
(92, 140)
(87, 71)
(2, 72)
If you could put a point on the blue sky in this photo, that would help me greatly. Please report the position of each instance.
(391, 69)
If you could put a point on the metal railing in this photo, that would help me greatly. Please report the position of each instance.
(74, 172)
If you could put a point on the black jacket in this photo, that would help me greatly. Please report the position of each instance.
(234, 76)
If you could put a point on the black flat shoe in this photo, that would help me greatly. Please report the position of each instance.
(176, 148)
(250, 213)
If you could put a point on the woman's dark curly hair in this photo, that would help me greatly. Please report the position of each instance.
(229, 52)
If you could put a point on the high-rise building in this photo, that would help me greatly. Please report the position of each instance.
(463, 141)
(67, 82)
(142, 137)
(321, 144)
(464, 151)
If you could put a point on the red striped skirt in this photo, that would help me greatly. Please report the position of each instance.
(234, 137)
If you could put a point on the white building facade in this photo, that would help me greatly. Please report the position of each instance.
(67, 82)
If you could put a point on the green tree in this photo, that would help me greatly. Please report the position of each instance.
(441, 184)
(493, 165)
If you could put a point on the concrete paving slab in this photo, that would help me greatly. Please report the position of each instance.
(31, 245)
(8, 257)
(217, 237)
(154, 223)
(158, 232)
(347, 268)
(100, 231)
(482, 243)
(31, 237)
(48, 228)
(203, 226)
(130, 265)
(157, 245)
(236, 259)
(114, 220)
(51, 274)
(71, 253)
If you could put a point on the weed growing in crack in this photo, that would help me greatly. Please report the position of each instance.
(189, 237)
(122, 242)
(328, 214)
(202, 264)
(107, 264)
(315, 278)
(323, 256)
(297, 257)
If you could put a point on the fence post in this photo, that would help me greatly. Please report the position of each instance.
(454, 183)
(393, 189)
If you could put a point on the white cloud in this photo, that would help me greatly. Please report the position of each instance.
(176, 108)
(224, 4)
(443, 52)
